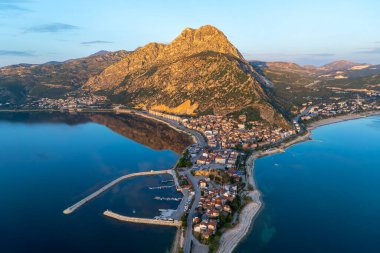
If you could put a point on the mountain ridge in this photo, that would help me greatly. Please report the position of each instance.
(200, 71)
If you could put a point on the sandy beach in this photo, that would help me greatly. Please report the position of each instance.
(232, 237)
(337, 119)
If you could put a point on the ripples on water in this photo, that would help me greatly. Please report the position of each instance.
(50, 161)
(325, 197)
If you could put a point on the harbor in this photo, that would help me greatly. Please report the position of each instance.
(161, 187)
(161, 222)
(167, 199)
(77, 205)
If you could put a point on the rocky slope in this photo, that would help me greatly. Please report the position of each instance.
(53, 79)
(200, 71)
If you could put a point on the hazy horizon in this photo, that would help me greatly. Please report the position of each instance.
(295, 31)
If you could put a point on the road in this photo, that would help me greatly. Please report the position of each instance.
(197, 196)
(199, 137)
(181, 207)
(202, 143)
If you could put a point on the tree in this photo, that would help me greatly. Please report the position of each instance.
(184, 220)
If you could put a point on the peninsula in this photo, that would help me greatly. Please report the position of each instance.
(200, 84)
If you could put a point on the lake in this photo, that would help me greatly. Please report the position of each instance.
(49, 161)
(322, 195)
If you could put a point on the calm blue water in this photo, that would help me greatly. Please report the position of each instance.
(47, 166)
(323, 195)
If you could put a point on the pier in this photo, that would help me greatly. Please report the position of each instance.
(174, 223)
(161, 187)
(72, 208)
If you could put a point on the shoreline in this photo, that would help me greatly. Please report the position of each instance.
(232, 237)
(347, 117)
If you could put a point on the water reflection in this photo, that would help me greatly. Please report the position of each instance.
(150, 133)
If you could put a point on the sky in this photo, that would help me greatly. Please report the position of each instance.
(302, 31)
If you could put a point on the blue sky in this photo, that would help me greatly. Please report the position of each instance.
(306, 32)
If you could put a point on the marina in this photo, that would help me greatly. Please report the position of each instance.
(168, 222)
(168, 199)
(161, 187)
(72, 208)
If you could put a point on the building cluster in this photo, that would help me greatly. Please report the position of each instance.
(325, 110)
(165, 115)
(213, 204)
(227, 132)
(91, 101)
(226, 158)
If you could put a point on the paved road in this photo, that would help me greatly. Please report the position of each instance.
(201, 141)
(181, 207)
(197, 196)
(199, 247)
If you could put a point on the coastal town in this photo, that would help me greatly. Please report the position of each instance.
(221, 167)
(70, 103)
(312, 112)
(215, 173)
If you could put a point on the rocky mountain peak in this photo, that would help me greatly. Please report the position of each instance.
(205, 38)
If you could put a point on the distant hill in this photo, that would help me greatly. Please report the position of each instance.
(293, 84)
(52, 79)
(338, 65)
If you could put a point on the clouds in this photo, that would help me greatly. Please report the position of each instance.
(9, 6)
(374, 50)
(95, 42)
(300, 58)
(51, 28)
(17, 53)
(321, 55)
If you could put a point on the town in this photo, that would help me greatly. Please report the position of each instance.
(326, 110)
(212, 172)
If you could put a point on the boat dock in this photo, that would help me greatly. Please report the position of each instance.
(168, 199)
(161, 187)
(72, 208)
(167, 181)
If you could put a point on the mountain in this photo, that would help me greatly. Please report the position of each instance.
(338, 65)
(52, 79)
(200, 71)
(294, 85)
